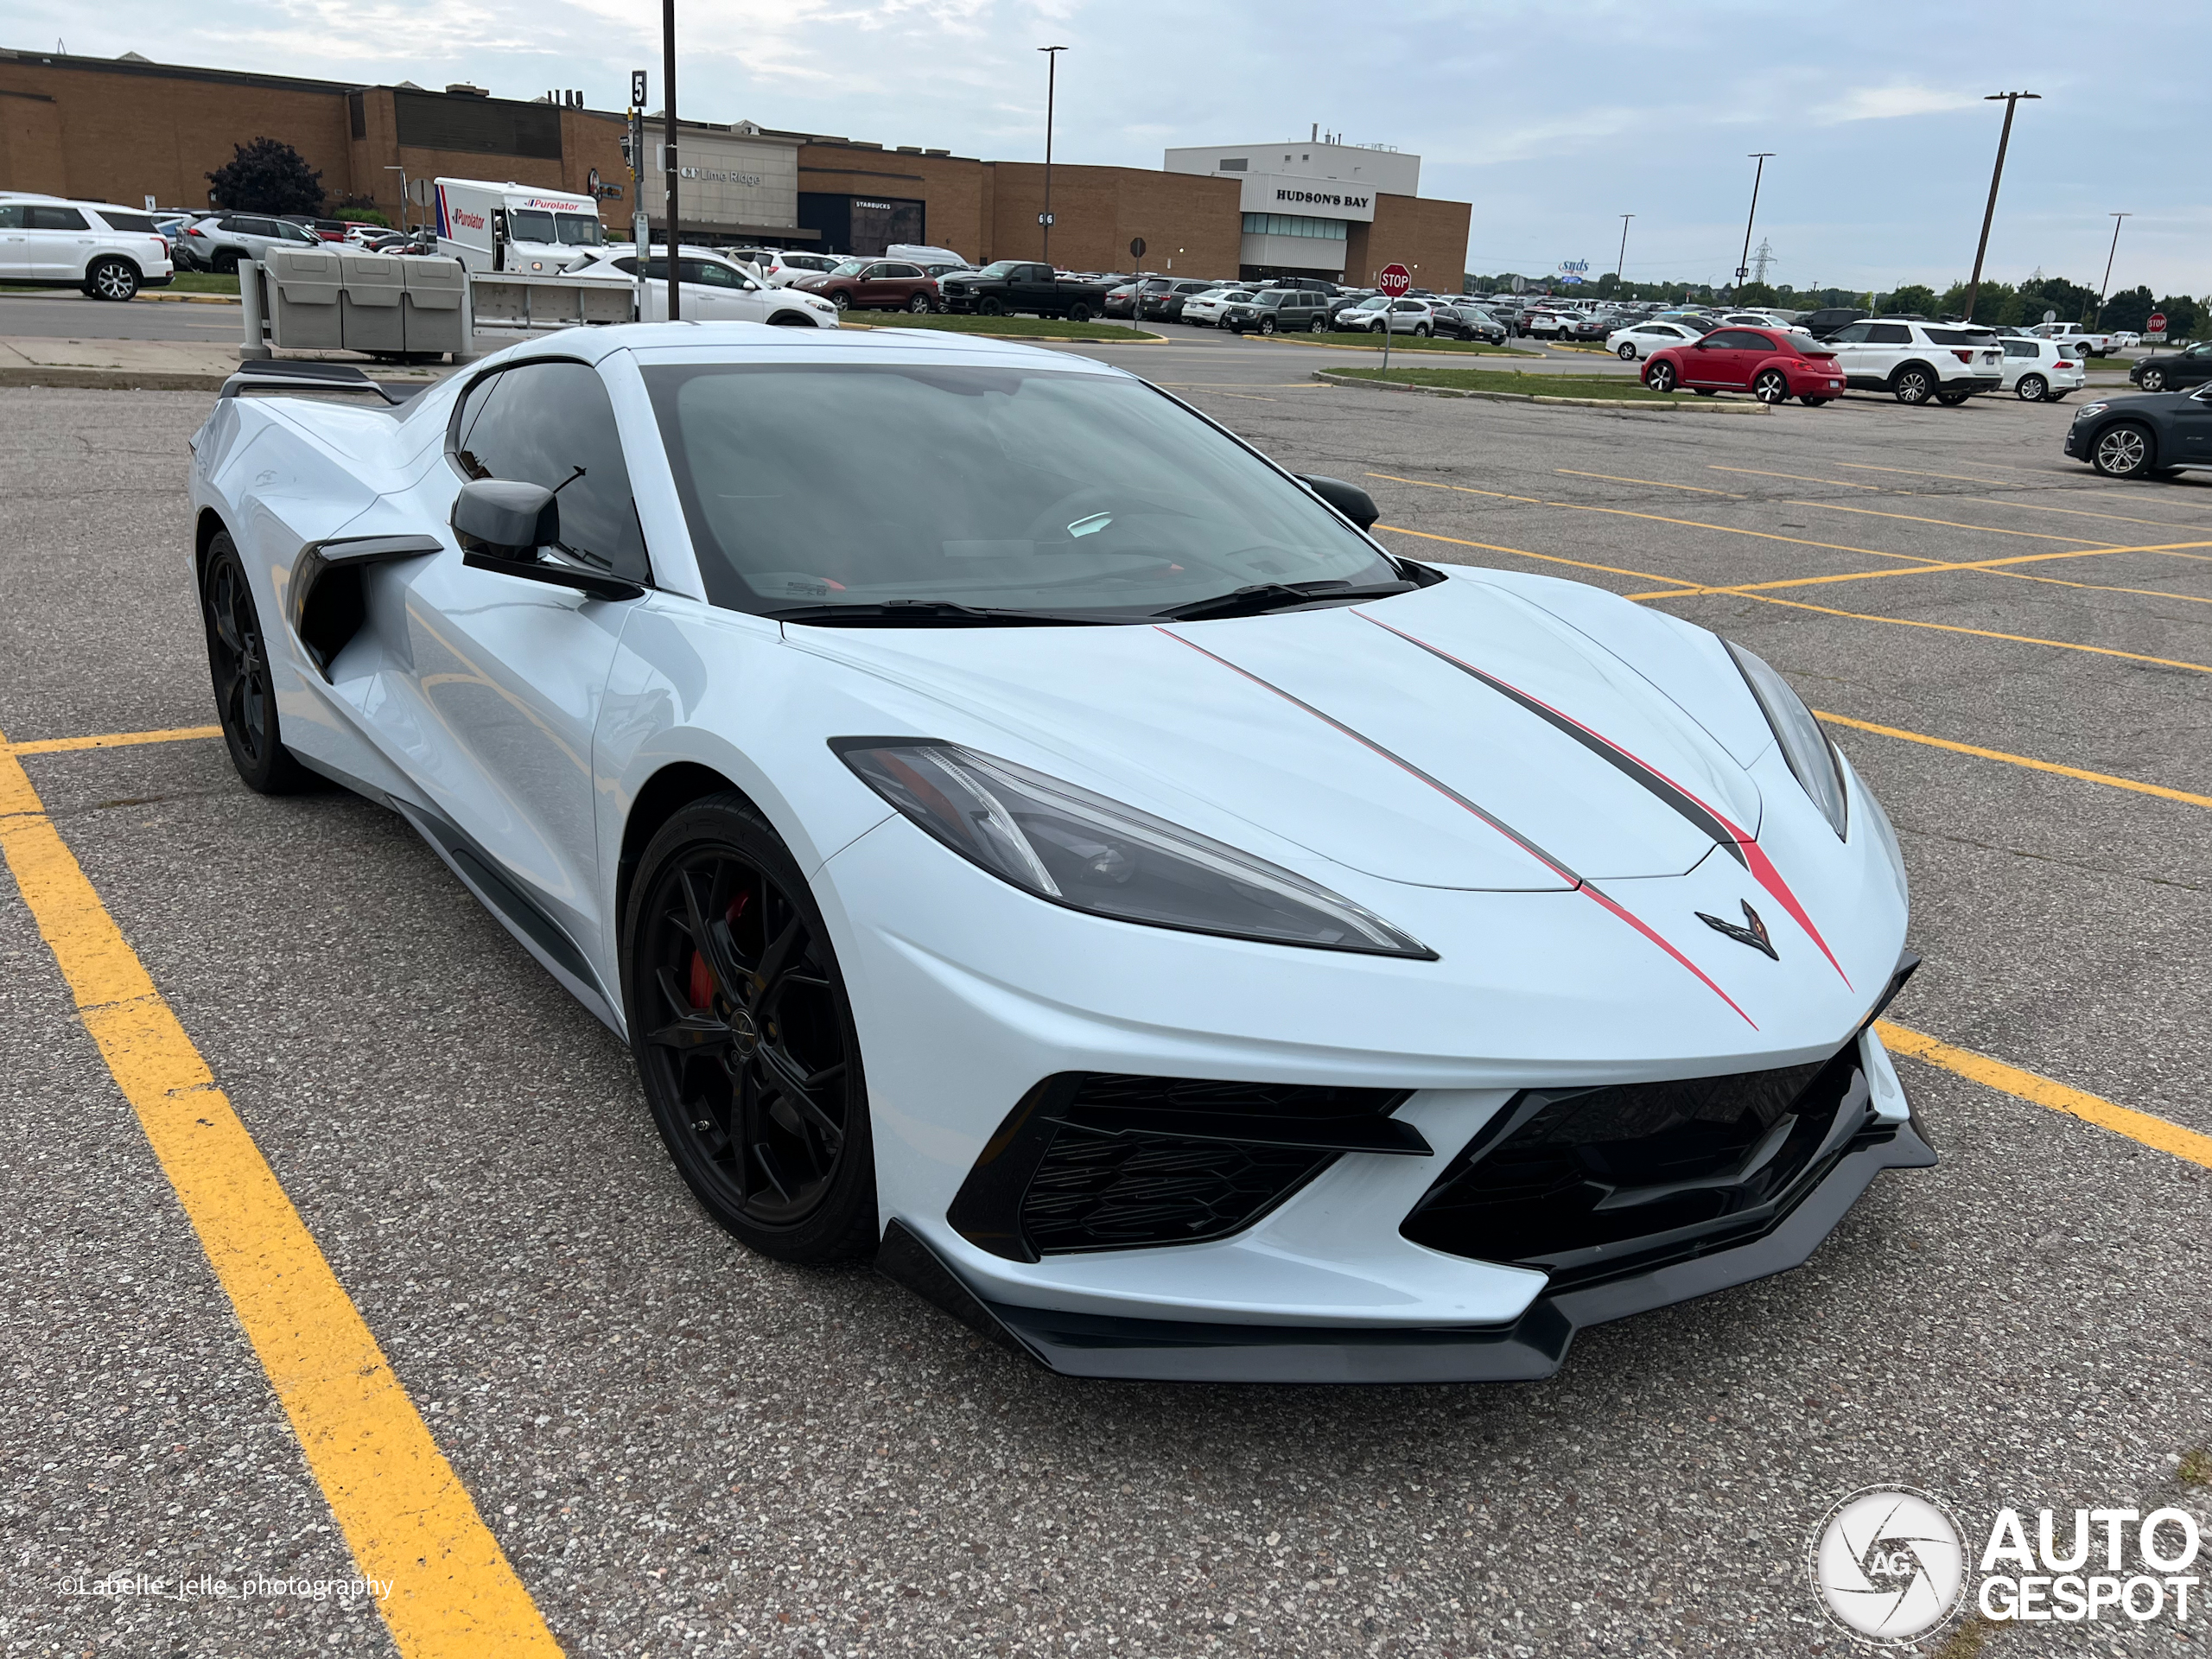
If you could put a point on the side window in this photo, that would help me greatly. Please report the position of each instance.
(1889, 333)
(12, 216)
(552, 424)
(2021, 348)
(712, 274)
(56, 219)
(1855, 333)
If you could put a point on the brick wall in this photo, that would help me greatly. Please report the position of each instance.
(1429, 236)
(1190, 218)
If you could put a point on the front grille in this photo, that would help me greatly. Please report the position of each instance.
(1104, 1161)
(1586, 1184)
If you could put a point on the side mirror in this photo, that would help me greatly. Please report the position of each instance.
(501, 525)
(1349, 499)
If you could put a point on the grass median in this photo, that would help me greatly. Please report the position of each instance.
(1611, 388)
(1371, 342)
(1002, 328)
(204, 281)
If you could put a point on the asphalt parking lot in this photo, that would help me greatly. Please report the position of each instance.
(681, 1448)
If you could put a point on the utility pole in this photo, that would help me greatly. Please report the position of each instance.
(1743, 264)
(1044, 219)
(2005, 138)
(402, 202)
(2104, 287)
(668, 131)
(1621, 263)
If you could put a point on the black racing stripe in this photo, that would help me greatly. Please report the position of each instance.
(1686, 805)
(1398, 760)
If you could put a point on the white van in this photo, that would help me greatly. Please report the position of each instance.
(514, 226)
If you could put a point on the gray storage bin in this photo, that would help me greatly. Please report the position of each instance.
(302, 290)
(434, 308)
(369, 308)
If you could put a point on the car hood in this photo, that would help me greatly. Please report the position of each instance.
(1458, 736)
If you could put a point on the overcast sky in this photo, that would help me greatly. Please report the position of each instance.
(1553, 120)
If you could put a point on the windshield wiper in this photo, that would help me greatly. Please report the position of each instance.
(1263, 596)
(892, 612)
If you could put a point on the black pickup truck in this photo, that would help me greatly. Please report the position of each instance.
(1015, 285)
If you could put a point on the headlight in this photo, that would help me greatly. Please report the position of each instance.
(2087, 409)
(1072, 847)
(1804, 745)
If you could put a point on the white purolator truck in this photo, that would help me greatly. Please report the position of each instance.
(510, 226)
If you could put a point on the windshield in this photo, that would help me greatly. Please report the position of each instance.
(1009, 488)
(529, 224)
(998, 267)
(848, 268)
(578, 230)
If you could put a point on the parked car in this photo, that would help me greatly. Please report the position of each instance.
(1545, 324)
(1344, 300)
(2149, 437)
(711, 288)
(1916, 361)
(1023, 286)
(2174, 370)
(1461, 322)
(1773, 365)
(1641, 338)
(2088, 341)
(2038, 370)
(872, 285)
(1824, 323)
(1203, 310)
(220, 241)
(1278, 310)
(2127, 339)
(1166, 304)
(789, 265)
(110, 252)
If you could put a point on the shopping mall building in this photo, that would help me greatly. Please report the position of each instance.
(125, 130)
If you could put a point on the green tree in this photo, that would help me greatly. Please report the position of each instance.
(2182, 315)
(1755, 294)
(361, 210)
(2129, 309)
(267, 176)
(1911, 299)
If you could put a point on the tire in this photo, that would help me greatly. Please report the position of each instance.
(1626, 350)
(1913, 385)
(1812, 402)
(238, 663)
(1421, 331)
(226, 261)
(1267, 324)
(756, 1093)
(993, 307)
(2153, 380)
(919, 305)
(1770, 386)
(1952, 399)
(1318, 325)
(1661, 378)
(2123, 449)
(841, 299)
(1079, 313)
(2032, 389)
(111, 279)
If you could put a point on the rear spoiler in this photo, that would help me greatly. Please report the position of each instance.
(275, 375)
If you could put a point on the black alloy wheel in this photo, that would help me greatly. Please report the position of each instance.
(1079, 313)
(237, 661)
(226, 262)
(111, 279)
(1913, 386)
(2032, 389)
(2122, 451)
(919, 305)
(2153, 380)
(1659, 377)
(744, 1036)
(1771, 386)
(992, 306)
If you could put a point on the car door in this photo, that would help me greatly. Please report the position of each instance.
(2192, 428)
(711, 293)
(58, 240)
(1711, 361)
(15, 240)
(1888, 345)
(1853, 352)
(495, 689)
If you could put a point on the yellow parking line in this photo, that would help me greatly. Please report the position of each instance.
(110, 740)
(1995, 566)
(2105, 777)
(1799, 478)
(2153, 1132)
(2078, 512)
(1523, 553)
(1659, 484)
(404, 1513)
(1947, 524)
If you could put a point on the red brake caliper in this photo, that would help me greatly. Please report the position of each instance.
(701, 988)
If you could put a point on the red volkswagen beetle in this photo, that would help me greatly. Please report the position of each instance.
(1771, 364)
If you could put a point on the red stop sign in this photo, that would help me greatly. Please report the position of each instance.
(1395, 280)
(2158, 323)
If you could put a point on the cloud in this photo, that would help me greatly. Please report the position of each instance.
(1887, 103)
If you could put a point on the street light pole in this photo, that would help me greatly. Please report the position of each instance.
(1621, 263)
(2104, 287)
(1052, 78)
(1743, 264)
(668, 131)
(402, 197)
(2005, 138)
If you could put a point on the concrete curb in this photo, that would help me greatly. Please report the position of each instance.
(1704, 406)
(187, 299)
(1397, 351)
(977, 333)
(110, 380)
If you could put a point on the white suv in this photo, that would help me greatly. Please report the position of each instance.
(110, 252)
(1916, 361)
